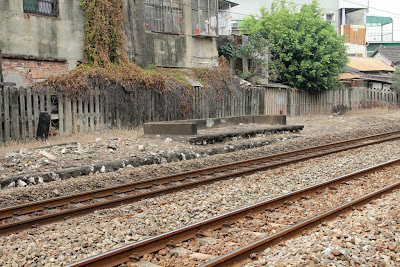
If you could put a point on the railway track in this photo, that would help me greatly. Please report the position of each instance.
(234, 237)
(17, 218)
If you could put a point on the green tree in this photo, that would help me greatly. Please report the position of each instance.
(304, 50)
(396, 81)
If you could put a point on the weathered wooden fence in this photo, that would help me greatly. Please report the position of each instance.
(298, 103)
(20, 107)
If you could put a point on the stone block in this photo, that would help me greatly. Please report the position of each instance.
(170, 128)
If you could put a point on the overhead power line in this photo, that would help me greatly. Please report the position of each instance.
(389, 12)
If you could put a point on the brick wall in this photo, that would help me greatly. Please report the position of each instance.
(27, 71)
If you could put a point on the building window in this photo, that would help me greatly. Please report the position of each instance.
(224, 18)
(42, 7)
(205, 17)
(164, 16)
(330, 17)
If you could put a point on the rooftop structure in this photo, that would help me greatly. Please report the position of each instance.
(390, 55)
(369, 65)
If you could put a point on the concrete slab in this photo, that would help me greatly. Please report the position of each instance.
(170, 128)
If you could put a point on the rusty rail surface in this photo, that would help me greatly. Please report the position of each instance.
(240, 255)
(17, 218)
(153, 244)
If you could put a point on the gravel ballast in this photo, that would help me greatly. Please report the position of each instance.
(259, 225)
(103, 230)
(368, 236)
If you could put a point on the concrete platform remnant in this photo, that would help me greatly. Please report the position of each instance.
(190, 127)
(170, 128)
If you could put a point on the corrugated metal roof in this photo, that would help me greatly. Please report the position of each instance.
(348, 76)
(392, 53)
(368, 64)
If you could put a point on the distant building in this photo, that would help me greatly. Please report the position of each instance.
(390, 55)
(372, 66)
(372, 46)
(367, 72)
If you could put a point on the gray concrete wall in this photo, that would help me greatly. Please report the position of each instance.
(42, 36)
(356, 17)
(146, 47)
(166, 50)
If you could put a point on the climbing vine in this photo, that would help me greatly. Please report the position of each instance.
(104, 38)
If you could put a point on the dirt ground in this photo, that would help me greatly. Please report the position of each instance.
(84, 149)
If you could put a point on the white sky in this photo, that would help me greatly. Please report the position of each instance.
(393, 10)
(386, 8)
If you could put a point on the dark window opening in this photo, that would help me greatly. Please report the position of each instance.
(41, 7)
(205, 17)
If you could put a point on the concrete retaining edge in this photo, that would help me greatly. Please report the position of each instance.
(246, 133)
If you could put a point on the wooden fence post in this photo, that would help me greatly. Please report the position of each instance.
(74, 116)
(48, 101)
(68, 116)
(35, 111)
(1, 114)
(29, 113)
(42, 105)
(61, 114)
(14, 113)
(22, 94)
(97, 109)
(7, 130)
(91, 114)
(81, 116)
(1, 67)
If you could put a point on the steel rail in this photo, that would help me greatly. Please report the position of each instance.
(153, 244)
(182, 180)
(235, 257)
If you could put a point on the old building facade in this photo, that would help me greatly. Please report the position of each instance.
(43, 37)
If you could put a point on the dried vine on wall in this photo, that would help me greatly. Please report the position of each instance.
(106, 65)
